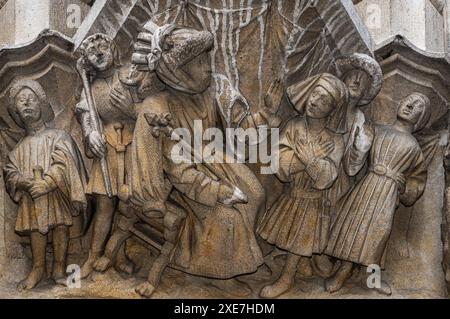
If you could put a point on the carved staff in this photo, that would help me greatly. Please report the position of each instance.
(95, 121)
(161, 124)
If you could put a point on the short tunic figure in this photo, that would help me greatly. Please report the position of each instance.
(311, 149)
(46, 177)
(110, 143)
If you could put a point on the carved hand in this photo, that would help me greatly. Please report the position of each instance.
(274, 95)
(24, 184)
(120, 99)
(363, 139)
(323, 150)
(97, 144)
(40, 188)
(305, 152)
(229, 197)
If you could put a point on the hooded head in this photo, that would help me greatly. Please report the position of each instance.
(178, 55)
(28, 103)
(320, 96)
(415, 109)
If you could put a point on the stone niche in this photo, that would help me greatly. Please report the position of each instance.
(48, 59)
(255, 43)
(415, 252)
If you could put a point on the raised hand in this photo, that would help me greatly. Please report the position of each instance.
(274, 95)
(363, 138)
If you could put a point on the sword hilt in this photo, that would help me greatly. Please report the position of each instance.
(38, 173)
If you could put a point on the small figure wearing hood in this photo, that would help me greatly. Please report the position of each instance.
(46, 176)
(311, 148)
(363, 222)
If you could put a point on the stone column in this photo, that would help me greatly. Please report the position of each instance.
(25, 19)
(420, 21)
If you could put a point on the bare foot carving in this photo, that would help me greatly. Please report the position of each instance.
(102, 264)
(88, 266)
(59, 273)
(36, 275)
(233, 287)
(336, 282)
(278, 288)
(385, 289)
(145, 289)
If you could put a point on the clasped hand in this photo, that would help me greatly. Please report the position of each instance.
(307, 151)
(35, 188)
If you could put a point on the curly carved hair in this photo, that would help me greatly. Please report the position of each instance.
(101, 37)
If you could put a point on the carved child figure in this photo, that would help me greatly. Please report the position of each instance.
(45, 175)
(397, 173)
(311, 148)
(115, 109)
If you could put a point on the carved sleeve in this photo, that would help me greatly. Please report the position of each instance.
(415, 181)
(189, 180)
(290, 164)
(12, 177)
(354, 159)
(67, 171)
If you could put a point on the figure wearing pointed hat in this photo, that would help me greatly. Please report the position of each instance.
(46, 177)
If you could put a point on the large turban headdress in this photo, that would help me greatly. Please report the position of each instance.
(165, 49)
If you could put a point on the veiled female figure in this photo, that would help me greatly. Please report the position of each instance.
(311, 148)
(363, 223)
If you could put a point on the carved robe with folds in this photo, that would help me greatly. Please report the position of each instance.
(215, 240)
(363, 222)
(118, 126)
(57, 154)
(298, 222)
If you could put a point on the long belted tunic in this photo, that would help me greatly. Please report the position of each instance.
(364, 219)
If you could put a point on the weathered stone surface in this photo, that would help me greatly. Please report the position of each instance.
(419, 21)
(251, 45)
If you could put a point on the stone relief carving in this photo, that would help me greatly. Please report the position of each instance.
(46, 177)
(128, 201)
